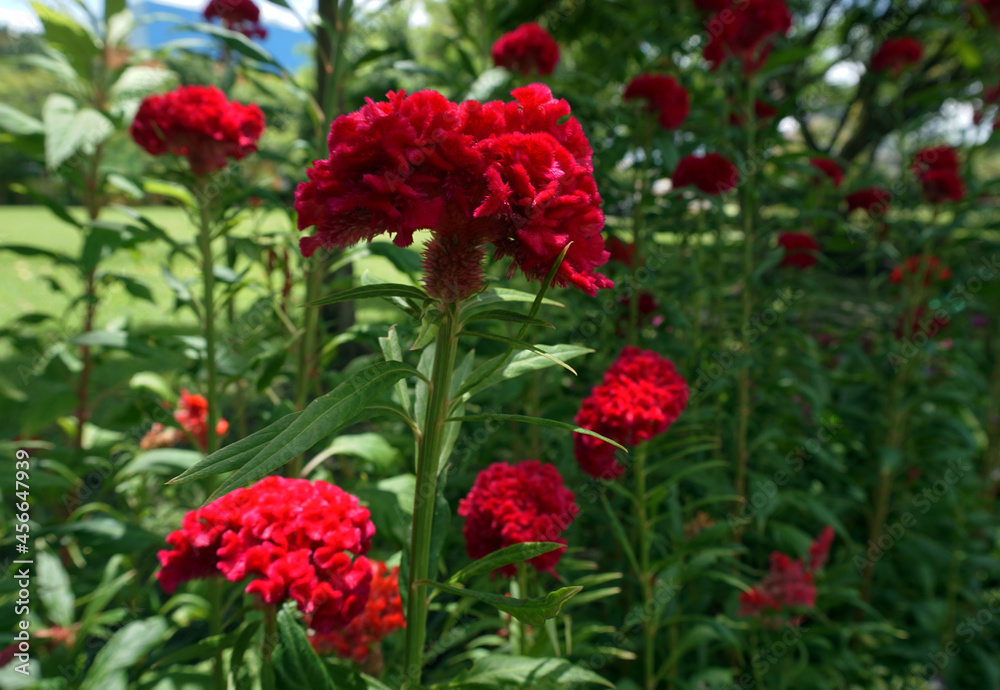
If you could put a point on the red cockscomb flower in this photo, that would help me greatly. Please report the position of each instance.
(711, 173)
(941, 186)
(931, 270)
(789, 583)
(237, 15)
(761, 111)
(517, 175)
(745, 33)
(383, 614)
(875, 200)
(297, 539)
(200, 123)
(640, 397)
(935, 158)
(192, 415)
(801, 250)
(663, 96)
(896, 54)
(713, 6)
(621, 252)
(829, 168)
(514, 504)
(528, 48)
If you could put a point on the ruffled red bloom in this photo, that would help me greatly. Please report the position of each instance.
(941, 186)
(640, 397)
(875, 200)
(935, 158)
(383, 614)
(931, 270)
(237, 15)
(622, 252)
(789, 583)
(713, 6)
(829, 168)
(517, 175)
(296, 539)
(663, 96)
(801, 250)
(761, 111)
(711, 173)
(896, 54)
(200, 123)
(192, 415)
(528, 48)
(514, 504)
(745, 33)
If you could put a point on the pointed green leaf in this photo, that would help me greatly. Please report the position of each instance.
(369, 291)
(511, 365)
(519, 344)
(506, 556)
(392, 350)
(534, 611)
(504, 315)
(495, 671)
(295, 661)
(125, 648)
(540, 421)
(54, 589)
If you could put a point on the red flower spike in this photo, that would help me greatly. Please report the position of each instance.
(711, 173)
(641, 396)
(516, 175)
(237, 15)
(527, 49)
(789, 583)
(299, 540)
(829, 168)
(745, 32)
(514, 504)
(897, 54)
(663, 96)
(382, 615)
(875, 200)
(198, 122)
(801, 249)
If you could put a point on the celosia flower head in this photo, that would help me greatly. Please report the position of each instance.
(514, 504)
(801, 249)
(896, 54)
(935, 158)
(829, 168)
(931, 270)
(663, 96)
(295, 539)
(641, 396)
(200, 123)
(192, 415)
(711, 173)
(237, 15)
(383, 614)
(527, 49)
(746, 33)
(937, 169)
(875, 200)
(621, 252)
(517, 175)
(789, 583)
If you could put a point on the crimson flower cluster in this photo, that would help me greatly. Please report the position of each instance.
(663, 95)
(192, 415)
(789, 583)
(801, 249)
(514, 504)
(200, 123)
(237, 15)
(897, 54)
(383, 614)
(296, 539)
(641, 396)
(517, 175)
(829, 168)
(875, 200)
(527, 49)
(937, 169)
(746, 33)
(712, 173)
(931, 270)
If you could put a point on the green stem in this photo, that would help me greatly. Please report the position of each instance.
(208, 318)
(645, 574)
(267, 646)
(641, 175)
(428, 456)
(215, 628)
(307, 348)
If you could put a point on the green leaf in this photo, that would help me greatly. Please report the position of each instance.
(56, 207)
(68, 129)
(510, 366)
(534, 611)
(295, 662)
(17, 123)
(367, 446)
(159, 462)
(498, 294)
(496, 671)
(171, 190)
(519, 344)
(505, 556)
(236, 454)
(505, 315)
(393, 351)
(540, 421)
(234, 40)
(72, 39)
(125, 648)
(369, 291)
(403, 259)
(323, 417)
(54, 589)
